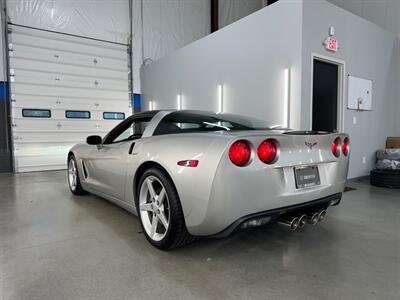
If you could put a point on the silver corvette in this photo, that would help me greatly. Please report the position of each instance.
(188, 174)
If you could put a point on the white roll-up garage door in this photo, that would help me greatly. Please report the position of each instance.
(63, 89)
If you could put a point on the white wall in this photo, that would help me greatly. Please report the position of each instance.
(170, 25)
(164, 27)
(368, 52)
(385, 13)
(248, 57)
(396, 78)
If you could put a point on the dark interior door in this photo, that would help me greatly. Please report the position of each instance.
(325, 96)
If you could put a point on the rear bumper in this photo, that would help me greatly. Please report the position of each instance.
(273, 214)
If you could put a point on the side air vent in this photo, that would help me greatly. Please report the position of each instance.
(85, 170)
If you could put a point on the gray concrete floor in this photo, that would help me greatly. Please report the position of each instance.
(57, 246)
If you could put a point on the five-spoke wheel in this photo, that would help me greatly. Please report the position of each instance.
(154, 208)
(73, 177)
(160, 211)
(72, 174)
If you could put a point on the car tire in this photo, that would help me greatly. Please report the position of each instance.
(160, 211)
(74, 181)
(385, 178)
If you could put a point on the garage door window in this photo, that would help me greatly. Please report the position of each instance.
(77, 114)
(113, 116)
(36, 113)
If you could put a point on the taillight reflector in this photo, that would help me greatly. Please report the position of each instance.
(267, 151)
(346, 146)
(240, 153)
(336, 147)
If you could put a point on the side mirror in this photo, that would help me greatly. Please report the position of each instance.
(94, 140)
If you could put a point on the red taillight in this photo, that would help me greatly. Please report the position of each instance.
(267, 151)
(188, 163)
(240, 153)
(336, 147)
(346, 146)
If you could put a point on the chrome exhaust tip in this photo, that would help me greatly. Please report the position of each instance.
(321, 215)
(302, 221)
(313, 219)
(292, 224)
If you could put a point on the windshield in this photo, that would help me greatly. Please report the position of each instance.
(192, 121)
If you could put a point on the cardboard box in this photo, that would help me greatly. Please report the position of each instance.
(393, 142)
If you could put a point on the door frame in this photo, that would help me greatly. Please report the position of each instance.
(341, 87)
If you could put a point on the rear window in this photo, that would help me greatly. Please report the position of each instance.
(191, 121)
(77, 114)
(36, 113)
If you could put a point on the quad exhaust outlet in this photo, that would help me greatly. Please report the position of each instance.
(303, 221)
(321, 215)
(313, 219)
(294, 223)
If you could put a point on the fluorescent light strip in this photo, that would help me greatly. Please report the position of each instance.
(286, 98)
(220, 99)
(151, 105)
(179, 100)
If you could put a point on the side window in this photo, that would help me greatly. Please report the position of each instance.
(187, 125)
(128, 131)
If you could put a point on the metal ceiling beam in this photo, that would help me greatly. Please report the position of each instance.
(214, 15)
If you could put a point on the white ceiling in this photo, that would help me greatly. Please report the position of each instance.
(385, 13)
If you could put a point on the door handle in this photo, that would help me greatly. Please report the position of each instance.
(131, 148)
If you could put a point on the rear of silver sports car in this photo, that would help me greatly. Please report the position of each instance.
(291, 178)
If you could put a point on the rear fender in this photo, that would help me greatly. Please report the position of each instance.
(193, 184)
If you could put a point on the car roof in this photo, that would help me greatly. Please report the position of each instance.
(145, 114)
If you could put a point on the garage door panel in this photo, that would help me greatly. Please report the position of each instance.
(49, 40)
(38, 168)
(61, 56)
(59, 116)
(66, 100)
(60, 125)
(38, 89)
(33, 150)
(54, 137)
(55, 79)
(68, 69)
(55, 72)
(52, 103)
(41, 163)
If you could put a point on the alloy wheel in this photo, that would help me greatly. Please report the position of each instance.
(72, 174)
(154, 208)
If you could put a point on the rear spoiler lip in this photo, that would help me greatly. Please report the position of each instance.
(306, 132)
(235, 135)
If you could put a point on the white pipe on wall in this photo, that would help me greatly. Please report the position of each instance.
(179, 102)
(286, 98)
(220, 98)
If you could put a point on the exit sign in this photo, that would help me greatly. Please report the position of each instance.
(331, 44)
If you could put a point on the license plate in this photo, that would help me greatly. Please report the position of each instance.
(306, 176)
